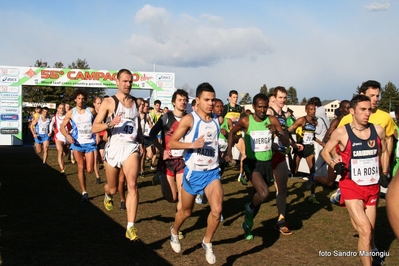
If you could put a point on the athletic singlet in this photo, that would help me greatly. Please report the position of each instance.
(81, 126)
(232, 112)
(170, 123)
(258, 140)
(361, 157)
(145, 127)
(154, 116)
(42, 127)
(307, 135)
(396, 149)
(126, 130)
(207, 157)
(223, 141)
(283, 122)
(57, 121)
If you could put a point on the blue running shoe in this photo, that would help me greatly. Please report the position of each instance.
(336, 196)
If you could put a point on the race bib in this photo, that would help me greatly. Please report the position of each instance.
(261, 140)
(84, 130)
(365, 171)
(308, 137)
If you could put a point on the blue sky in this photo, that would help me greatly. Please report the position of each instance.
(322, 48)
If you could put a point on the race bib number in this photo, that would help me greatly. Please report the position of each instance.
(222, 145)
(84, 130)
(261, 140)
(308, 137)
(365, 171)
(177, 153)
(43, 130)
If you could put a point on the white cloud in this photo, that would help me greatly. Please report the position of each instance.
(379, 6)
(189, 42)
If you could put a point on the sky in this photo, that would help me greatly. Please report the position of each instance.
(321, 48)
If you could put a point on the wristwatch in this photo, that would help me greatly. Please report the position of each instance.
(109, 124)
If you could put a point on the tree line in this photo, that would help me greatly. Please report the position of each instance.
(389, 97)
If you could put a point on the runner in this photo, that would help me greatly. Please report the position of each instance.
(171, 160)
(200, 130)
(308, 124)
(122, 149)
(81, 138)
(40, 128)
(259, 129)
(360, 144)
(59, 138)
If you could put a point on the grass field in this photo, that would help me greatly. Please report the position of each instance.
(43, 222)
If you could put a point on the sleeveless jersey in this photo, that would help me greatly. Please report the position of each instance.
(42, 127)
(207, 157)
(258, 140)
(145, 127)
(360, 156)
(57, 121)
(170, 123)
(126, 130)
(232, 112)
(307, 135)
(283, 122)
(81, 126)
(223, 141)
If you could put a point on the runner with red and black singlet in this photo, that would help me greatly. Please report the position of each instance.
(360, 146)
(59, 138)
(279, 163)
(171, 163)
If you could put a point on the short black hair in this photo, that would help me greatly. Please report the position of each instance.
(79, 91)
(204, 87)
(123, 70)
(359, 98)
(232, 92)
(260, 96)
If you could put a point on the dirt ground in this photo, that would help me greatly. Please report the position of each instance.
(43, 222)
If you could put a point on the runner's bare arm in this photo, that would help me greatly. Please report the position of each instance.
(65, 122)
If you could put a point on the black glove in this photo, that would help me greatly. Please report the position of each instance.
(339, 168)
(384, 180)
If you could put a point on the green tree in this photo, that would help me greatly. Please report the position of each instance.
(264, 90)
(38, 93)
(246, 99)
(79, 64)
(58, 65)
(292, 97)
(389, 97)
(92, 92)
(304, 101)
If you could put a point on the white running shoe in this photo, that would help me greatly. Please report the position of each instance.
(174, 241)
(198, 199)
(209, 255)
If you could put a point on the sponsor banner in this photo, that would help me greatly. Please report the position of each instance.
(10, 96)
(9, 131)
(8, 103)
(8, 79)
(8, 124)
(9, 71)
(48, 105)
(82, 78)
(165, 93)
(9, 117)
(9, 89)
(9, 110)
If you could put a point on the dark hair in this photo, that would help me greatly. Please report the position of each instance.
(397, 109)
(359, 98)
(315, 100)
(146, 102)
(277, 89)
(193, 102)
(232, 92)
(157, 102)
(79, 91)
(123, 70)
(306, 106)
(341, 104)
(218, 100)
(204, 87)
(45, 108)
(179, 92)
(260, 96)
(367, 84)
